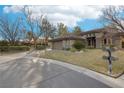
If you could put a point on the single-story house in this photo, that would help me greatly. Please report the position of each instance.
(97, 38)
(64, 42)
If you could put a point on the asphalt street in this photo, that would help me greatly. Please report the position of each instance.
(29, 72)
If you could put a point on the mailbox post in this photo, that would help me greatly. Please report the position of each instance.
(109, 58)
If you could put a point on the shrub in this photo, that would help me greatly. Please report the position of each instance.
(73, 49)
(4, 48)
(19, 48)
(112, 46)
(67, 49)
(79, 45)
(3, 43)
(40, 47)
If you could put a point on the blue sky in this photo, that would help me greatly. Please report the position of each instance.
(89, 24)
(87, 20)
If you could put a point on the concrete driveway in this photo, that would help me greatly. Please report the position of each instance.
(34, 72)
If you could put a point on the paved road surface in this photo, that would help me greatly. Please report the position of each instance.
(8, 57)
(29, 72)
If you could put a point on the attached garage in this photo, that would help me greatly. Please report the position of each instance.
(64, 42)
(57, 45)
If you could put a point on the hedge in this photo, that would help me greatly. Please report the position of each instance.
(3, 43)
(14, 48)
(4, 48)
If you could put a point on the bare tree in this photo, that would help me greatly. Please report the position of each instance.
(29, 35)
(53, 32)
(33, 25)
(11, 31)
(113, 17)
(49, 31)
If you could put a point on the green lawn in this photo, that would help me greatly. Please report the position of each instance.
(91, 58)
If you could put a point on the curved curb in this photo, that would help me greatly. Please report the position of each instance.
(113, 82)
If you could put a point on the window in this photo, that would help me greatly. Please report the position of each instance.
(122, 44)
(105, 41)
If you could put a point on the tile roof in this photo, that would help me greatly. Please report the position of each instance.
(109, 30)
(67, 38)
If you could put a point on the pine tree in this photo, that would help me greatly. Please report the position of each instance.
(77, 30)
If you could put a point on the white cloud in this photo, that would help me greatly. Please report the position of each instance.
(69, 15)
(14, 9)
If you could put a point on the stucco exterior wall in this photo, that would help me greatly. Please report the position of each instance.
(117, 42)
(62, 44)
(98, 35)
(98, 43)
(67, 43)
(57, 45)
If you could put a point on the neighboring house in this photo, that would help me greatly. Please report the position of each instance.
(97, 38)
(41, 40)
